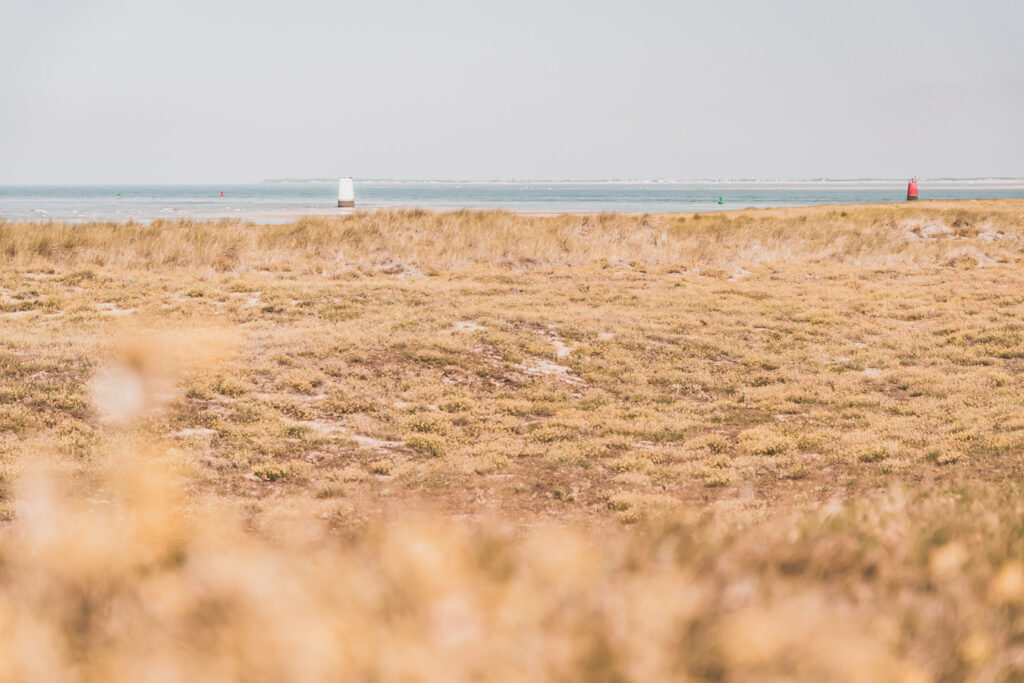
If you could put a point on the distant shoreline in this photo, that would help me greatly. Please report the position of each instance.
(725, 208)
(275, 203)
(284, 216)
(852, 183)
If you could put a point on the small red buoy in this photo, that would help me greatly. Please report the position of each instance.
(912, 189)
(222, 192)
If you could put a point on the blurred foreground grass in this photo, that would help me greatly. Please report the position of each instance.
(763, 445)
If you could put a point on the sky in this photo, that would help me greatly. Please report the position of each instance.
(216, 91)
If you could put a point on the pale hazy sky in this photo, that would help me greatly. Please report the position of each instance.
(229, 90)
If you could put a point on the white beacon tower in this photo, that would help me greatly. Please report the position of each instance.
(346, 193)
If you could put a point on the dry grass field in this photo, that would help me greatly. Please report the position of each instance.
(761, 445)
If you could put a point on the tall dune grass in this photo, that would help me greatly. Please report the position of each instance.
(879, 235)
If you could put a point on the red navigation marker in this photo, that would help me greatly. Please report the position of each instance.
(222, 193)
(912, 189)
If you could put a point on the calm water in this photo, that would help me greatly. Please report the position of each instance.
(276, 202)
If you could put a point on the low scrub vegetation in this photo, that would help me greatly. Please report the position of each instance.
(759, 445)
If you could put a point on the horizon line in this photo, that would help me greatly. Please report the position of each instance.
(567, 181)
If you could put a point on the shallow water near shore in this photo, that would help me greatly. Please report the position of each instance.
(282, 201)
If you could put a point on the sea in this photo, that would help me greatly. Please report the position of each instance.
(276, 201)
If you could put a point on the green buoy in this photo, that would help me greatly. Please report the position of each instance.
(720, 201)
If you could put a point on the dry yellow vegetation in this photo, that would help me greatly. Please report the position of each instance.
(758, 445)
